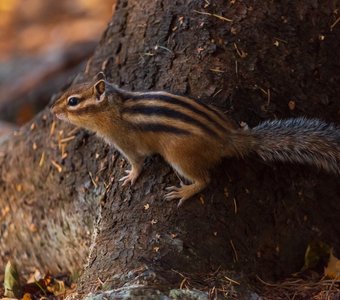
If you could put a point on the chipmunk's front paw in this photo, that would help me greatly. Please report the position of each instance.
(130, 178)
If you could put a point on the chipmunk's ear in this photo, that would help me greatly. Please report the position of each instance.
(100, 76)
(99, 90)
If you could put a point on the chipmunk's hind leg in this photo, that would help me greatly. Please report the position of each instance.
(192, 167)
(186, 191)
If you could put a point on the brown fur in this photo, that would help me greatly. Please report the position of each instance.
(176, 127)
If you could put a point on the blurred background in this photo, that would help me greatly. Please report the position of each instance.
(43, 44)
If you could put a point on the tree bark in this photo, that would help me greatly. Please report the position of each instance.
(62, 206)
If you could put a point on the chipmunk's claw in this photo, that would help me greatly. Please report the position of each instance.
(180, 202)
(176, 193)
(130, 178)
(172, 188)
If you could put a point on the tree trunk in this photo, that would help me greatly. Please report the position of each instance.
(62, 205)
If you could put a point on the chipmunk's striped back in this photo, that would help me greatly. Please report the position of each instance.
(166, 112)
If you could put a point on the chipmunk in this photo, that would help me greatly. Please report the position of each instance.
(191, 136)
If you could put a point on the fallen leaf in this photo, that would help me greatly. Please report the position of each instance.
(12, 281)
(27, 296)
(316, 253)
(333, 268)
(56, 287)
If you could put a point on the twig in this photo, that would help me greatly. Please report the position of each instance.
(67, 139)
(52, 128)
(281, 40)
(336, 22)
(164, 48)
(217, 70)
(213, 15)
(93, 181)
(235, 206)
(234, 250)
(268, 97)
(232, 280)
(73, 131)
(57, 166)
(219, 91)
(42, 159)
(240, 53)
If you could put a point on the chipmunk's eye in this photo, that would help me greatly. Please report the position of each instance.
(72, 101)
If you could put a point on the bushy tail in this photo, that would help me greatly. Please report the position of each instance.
(308, 141)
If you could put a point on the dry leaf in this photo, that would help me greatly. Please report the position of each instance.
(316, 253)
(56, 287)
(27, 296)
(333, 267)
(12, 281)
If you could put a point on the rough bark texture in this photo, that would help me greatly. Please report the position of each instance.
(253, 218)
